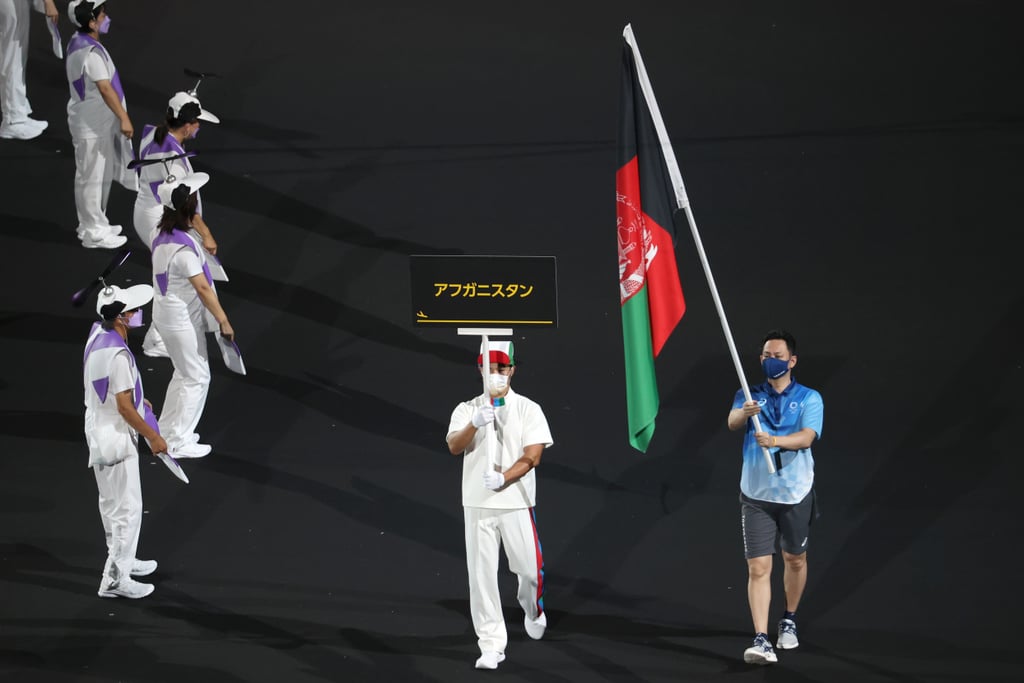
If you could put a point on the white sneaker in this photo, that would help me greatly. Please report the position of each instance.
(112, 230)
(760, 652)
(192, 450)
(787, 639)
(143, 567)
(535, 627)
(490, 660)
(126, 588)
(22, 130)
(108, 242)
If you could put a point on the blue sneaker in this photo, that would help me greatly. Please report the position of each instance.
(761, 652)
(787, 639)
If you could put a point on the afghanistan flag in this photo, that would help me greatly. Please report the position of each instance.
(648, 192)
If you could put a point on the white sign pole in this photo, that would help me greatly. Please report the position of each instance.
(490, 436)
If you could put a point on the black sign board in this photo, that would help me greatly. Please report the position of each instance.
(461, 291)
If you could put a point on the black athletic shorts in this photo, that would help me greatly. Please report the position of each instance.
(767, 526)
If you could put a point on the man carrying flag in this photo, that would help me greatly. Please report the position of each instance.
(648, 191)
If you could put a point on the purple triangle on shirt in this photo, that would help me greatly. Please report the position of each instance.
(161, 283)
(79, 86)
(101, 386)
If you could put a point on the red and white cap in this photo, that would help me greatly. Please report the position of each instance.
(501, 352)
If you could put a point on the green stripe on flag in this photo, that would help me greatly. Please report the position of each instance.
(641, 384)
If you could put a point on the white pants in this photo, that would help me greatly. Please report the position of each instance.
(95, 160)
(486, 531)
(120, 504)
(190, 383)
(14, 16)
(145, 219)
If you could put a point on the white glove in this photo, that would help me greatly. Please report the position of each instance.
(483, 416)
(493, 480)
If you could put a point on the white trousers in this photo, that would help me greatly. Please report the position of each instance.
(95, 160)
(145, 219)
(486, 531)
(190, 383)
(120, 504)
(14, 17)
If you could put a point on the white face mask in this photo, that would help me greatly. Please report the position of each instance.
(497, 383)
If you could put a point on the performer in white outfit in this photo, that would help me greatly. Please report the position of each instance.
(184, 113)
(187, 308)
(498, 498)
(14, 104)
(166, 141)
(100, 128)
(114, 418)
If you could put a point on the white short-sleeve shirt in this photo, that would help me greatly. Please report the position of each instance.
(106, 431)
(91, 117)
(517, 424)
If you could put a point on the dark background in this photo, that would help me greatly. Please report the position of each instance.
(855, 169)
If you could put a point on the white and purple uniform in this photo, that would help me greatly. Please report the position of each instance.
(109, 369)
(182, 321)
(148, 207)
(14, 16)
(102, 153)
(501, 518)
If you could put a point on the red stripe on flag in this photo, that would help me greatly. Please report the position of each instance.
(646, 258)
(665, 295)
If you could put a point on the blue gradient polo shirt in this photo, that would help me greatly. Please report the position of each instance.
(796, 408)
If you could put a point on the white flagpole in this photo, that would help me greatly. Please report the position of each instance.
(490, 435)
(683, 202)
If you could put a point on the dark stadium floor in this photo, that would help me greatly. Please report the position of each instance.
(856, 175)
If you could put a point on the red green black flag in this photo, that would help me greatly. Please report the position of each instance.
(648, 192)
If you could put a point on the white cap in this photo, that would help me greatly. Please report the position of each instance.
(183, 99)
(91, 5)
(180, 188)
(113, 300)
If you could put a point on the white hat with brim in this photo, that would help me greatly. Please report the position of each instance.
(170, 192)
(113, 300)
(75, 4)
(183, 99)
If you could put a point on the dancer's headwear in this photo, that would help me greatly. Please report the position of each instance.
(185, 106)
(81, 12)
(113, 300)
(174, 192)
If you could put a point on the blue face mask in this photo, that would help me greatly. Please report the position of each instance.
(104, 25)
(774, 368)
